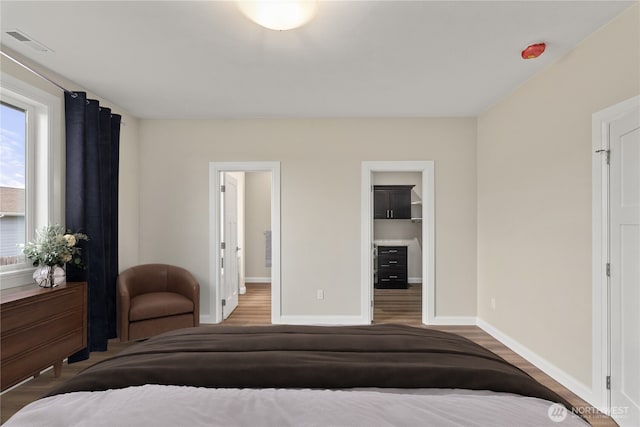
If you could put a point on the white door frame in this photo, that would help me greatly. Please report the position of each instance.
(215, 294)
(600, 249)
(428, 233)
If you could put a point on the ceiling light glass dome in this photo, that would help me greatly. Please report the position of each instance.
(279, 14)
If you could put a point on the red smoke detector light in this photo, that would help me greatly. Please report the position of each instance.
(533, 51)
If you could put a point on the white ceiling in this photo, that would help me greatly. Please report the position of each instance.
(204, 59)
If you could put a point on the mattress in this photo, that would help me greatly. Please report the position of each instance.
(170, 406)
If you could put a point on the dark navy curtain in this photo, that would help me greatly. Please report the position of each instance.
(91, 207)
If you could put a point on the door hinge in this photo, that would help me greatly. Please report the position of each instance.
(608, 382)
(222, 245)
(221, 262)
(608, 270)
(224, 302)
(222, 188)
(607, 153)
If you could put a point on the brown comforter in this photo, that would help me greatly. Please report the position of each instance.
(283, 356)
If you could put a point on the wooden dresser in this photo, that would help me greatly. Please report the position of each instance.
(40, 328)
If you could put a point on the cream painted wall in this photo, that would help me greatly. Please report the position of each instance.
(258, 220)
(129, 159)
(534, 196)
(320, 190)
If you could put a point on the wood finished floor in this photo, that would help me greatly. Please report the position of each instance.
(391, 306)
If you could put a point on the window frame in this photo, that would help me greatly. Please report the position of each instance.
(44, 163)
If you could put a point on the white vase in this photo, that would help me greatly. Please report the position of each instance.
(49, 276)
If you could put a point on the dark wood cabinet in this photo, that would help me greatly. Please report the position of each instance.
(392, 267)
(392, 201)
(39, 328)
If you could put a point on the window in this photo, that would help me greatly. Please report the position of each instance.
(13, 169)
(30, 172)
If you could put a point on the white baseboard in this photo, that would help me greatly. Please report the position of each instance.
(266, 280)
(568, 381)
(207, 319)
(359, 320)
(454, 320)
(322, 320)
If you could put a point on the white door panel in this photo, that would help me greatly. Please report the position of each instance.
(230, 258)
(624, 202)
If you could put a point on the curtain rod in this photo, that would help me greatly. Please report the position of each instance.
(42, 76)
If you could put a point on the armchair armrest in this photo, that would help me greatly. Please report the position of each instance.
(123, 304)
(183, 282)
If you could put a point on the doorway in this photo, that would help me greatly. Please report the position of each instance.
(426, 227)
(234, 242)
(616, 266)
(397, 246)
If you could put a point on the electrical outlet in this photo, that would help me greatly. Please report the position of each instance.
(493, 303)
(320, 294)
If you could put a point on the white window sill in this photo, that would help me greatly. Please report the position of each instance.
(14, 278)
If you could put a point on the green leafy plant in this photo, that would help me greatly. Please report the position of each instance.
(55, 246)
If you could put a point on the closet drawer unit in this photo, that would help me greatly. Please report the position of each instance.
(392, 267)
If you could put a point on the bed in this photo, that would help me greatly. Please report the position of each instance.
(284, 375)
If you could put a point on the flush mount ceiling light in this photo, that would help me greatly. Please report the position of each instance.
(279, 14)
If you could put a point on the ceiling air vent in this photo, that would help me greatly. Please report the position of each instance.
(29, 41)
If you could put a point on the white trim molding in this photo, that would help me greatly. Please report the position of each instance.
(215, 168)
(540, 362)
(303, 319)
(425, 167)
(45, 166)
(323, 320)
(263, 280)
(454, 320)
(206, 319)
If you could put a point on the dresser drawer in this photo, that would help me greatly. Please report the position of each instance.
(399, 251)
(17, 368)
(40, 309)
(388, 283)
(391, 262)
(23, 340)
(397, 276)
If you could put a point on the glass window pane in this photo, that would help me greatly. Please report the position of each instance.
(13, 124)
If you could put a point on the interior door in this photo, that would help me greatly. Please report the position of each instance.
(374, 256)
(624, 312)
(231, 278)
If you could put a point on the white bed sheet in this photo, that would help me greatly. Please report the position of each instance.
(156, 405)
